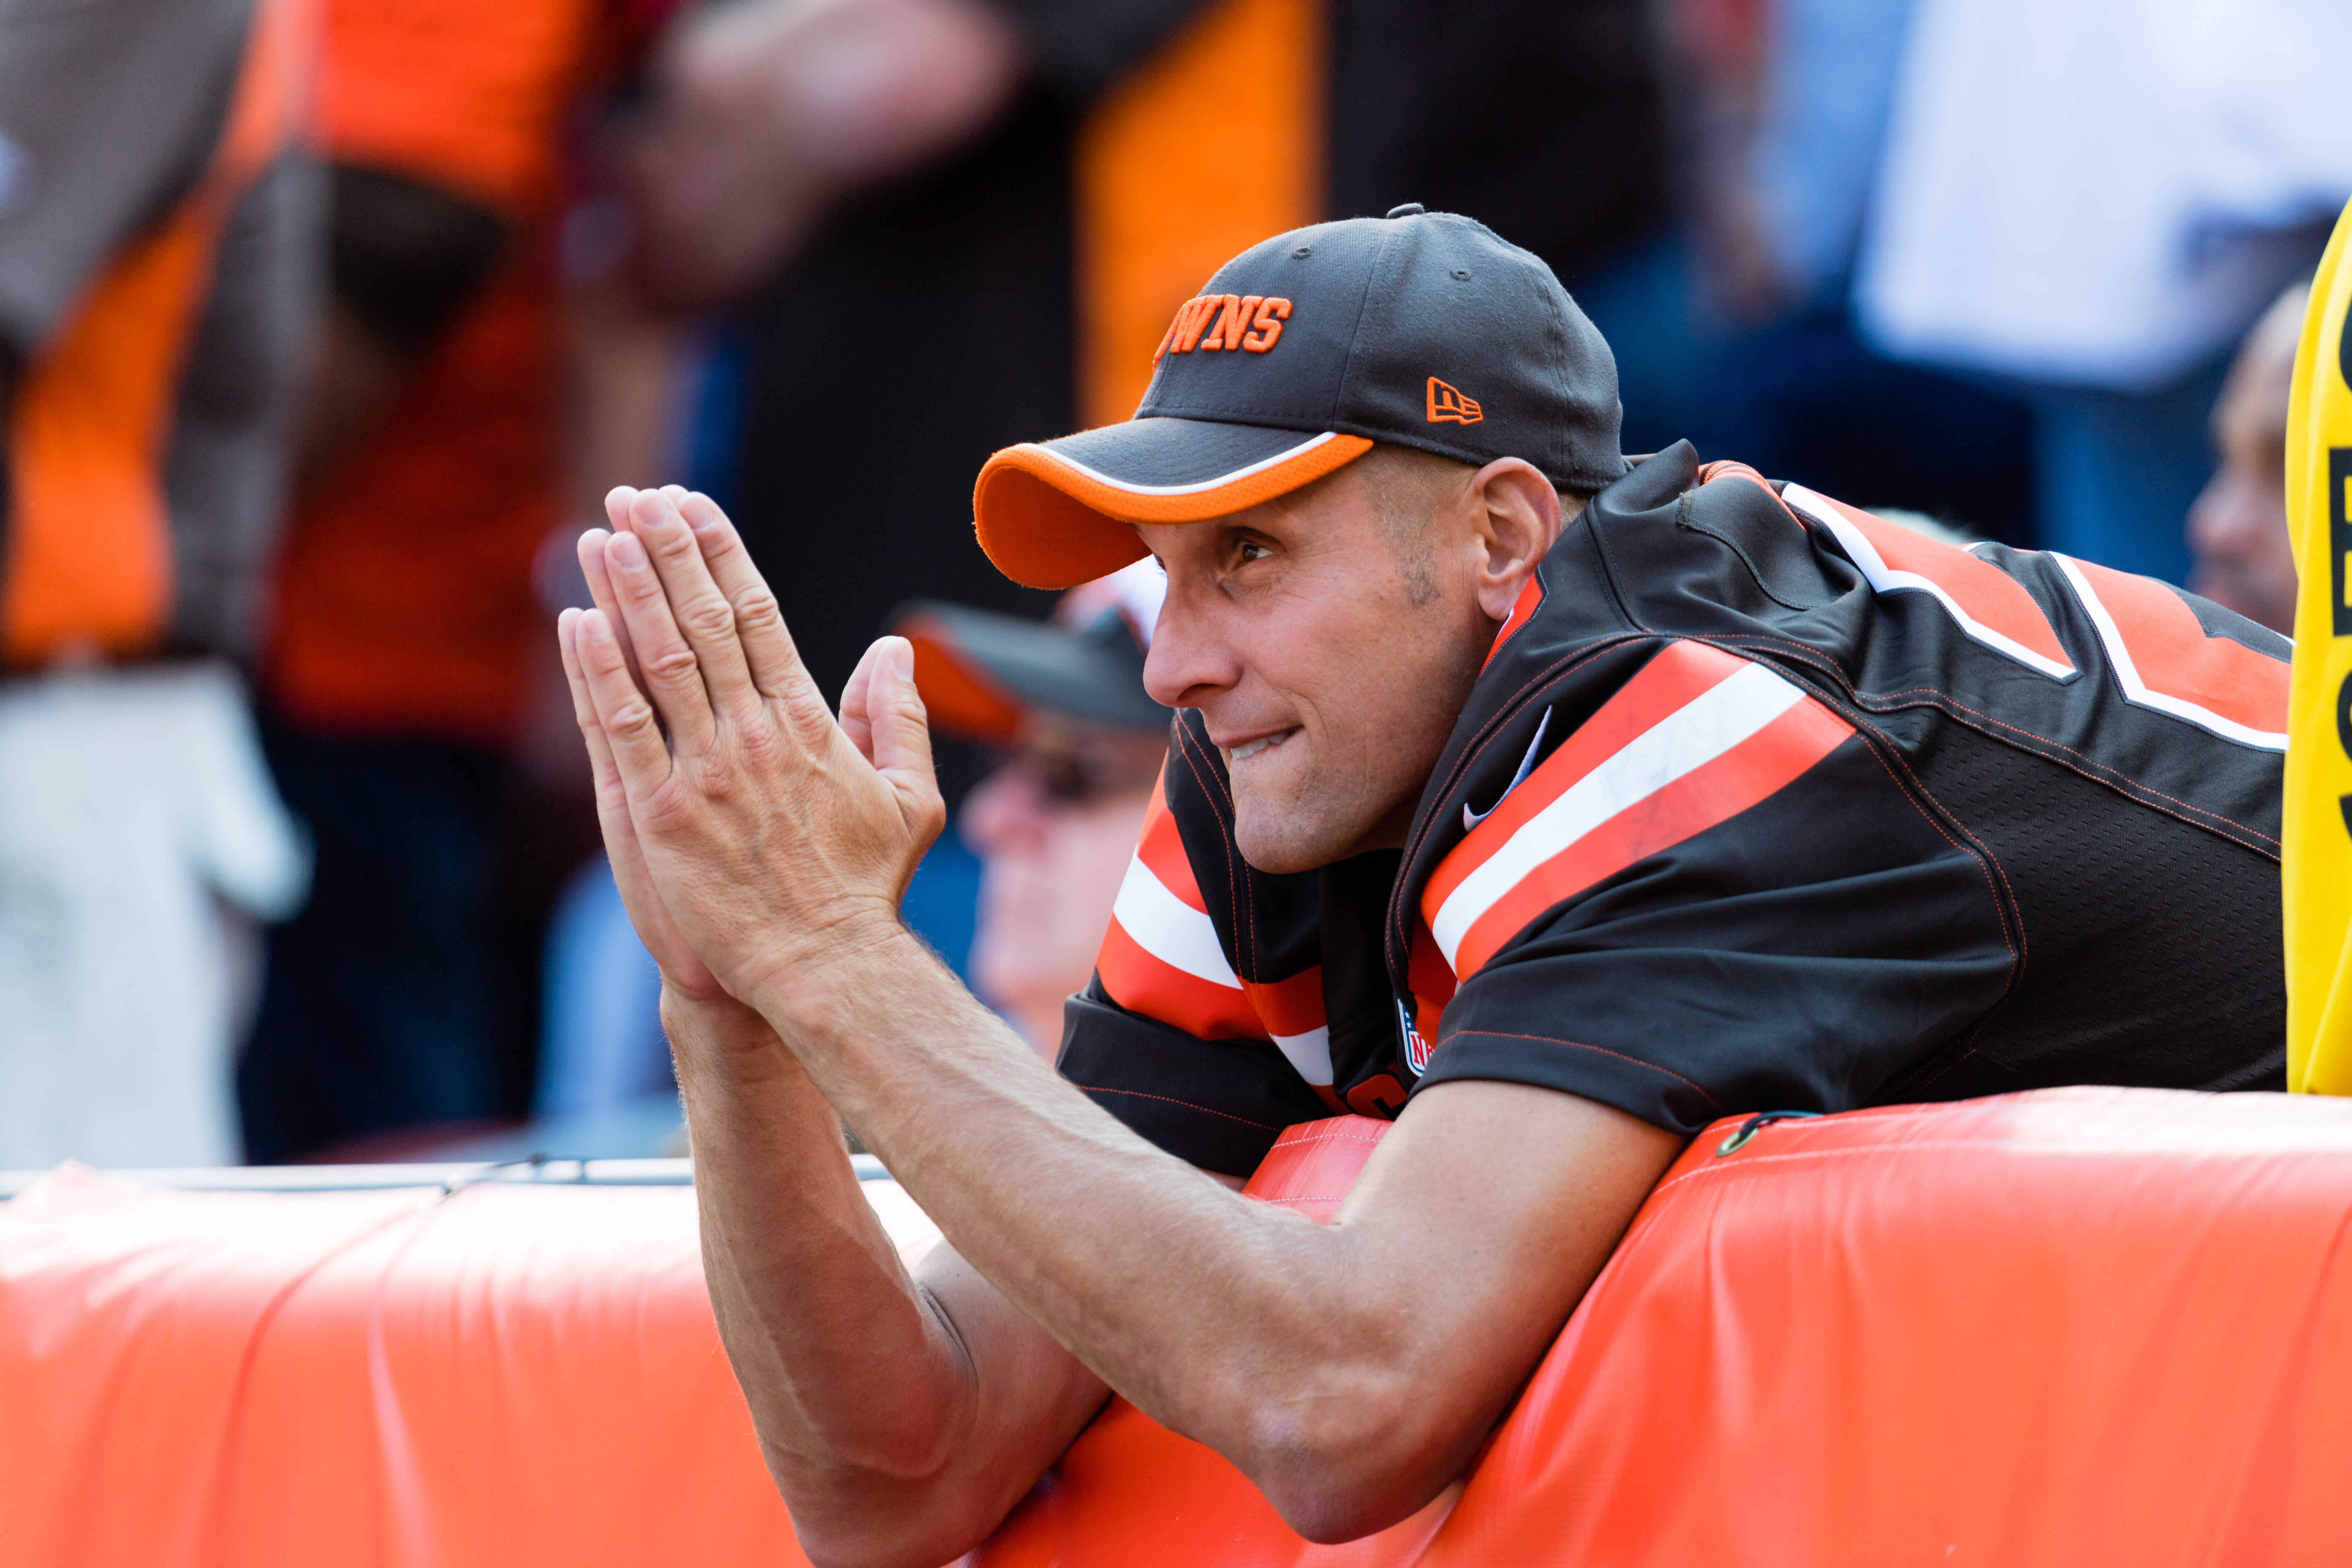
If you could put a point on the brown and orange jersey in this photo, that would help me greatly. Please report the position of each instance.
(1760, 803)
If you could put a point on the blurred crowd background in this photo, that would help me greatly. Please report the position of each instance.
(325, 324)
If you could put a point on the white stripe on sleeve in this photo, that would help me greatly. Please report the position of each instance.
(1685, 739)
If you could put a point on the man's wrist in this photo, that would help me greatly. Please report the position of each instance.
(822, 992)
(715, 1031)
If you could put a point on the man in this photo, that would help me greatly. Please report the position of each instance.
(2238, 531)
(1081, 745)
(1724, 799)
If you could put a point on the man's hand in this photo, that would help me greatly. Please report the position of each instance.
(1350, 1370)
(684, 975)
(752, 835)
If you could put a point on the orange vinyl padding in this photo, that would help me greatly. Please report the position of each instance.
(2067, 1327)
(507, 1376)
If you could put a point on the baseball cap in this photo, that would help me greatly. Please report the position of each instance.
(981, 673)
(1422, 330)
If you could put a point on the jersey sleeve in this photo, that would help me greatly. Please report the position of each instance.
(1715, 897)
(1207, 1044)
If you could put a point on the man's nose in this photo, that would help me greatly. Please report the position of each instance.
(1188, 661)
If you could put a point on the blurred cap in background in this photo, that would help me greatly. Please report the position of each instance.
(1079, 744)
(982, 674)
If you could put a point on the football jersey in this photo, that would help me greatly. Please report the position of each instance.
(1760, 803)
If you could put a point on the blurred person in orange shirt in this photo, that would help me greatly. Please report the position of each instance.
(399, 676)
(158, 247)
(2238, 536)
(1080, 744)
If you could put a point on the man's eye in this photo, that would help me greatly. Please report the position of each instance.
(1249, 549)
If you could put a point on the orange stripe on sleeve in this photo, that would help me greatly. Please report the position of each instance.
(1291, 1006)
(1161, 956)
(1990, 606)
(1161, 846)
(1679, 672)
(1697, 738)
(1140, 981)
(2164, 660)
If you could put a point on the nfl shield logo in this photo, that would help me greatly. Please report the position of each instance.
(1416, 1049)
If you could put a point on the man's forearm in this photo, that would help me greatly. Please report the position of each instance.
(858, 1393)
(1158, 1279)
(1350, 1370)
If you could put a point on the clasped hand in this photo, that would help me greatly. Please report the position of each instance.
(752, 836)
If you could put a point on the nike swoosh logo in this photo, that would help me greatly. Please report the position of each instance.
(1470, 818)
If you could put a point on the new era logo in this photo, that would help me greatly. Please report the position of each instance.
(1447, 405)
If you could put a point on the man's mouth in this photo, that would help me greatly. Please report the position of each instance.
(1252, 748)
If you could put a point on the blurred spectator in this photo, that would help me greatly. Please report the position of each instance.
(2238, 528)
(1789, 102)
(919, 189)
(399, 677)
(2094, 198)
(158, 232)
(1054, 822)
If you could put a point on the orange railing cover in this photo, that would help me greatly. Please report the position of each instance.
(2067, 1327)
(508, 1376)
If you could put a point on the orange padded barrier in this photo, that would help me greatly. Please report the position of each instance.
(2067, 1327)
(507, 1376)
(2074, 1326)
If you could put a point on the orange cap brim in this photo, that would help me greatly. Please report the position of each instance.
(1047, 522)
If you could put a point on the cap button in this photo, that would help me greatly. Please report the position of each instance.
(1407, 209)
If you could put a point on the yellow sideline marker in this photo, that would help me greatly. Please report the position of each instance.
(2317, 846)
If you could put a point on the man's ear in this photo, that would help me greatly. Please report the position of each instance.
(1518, 522)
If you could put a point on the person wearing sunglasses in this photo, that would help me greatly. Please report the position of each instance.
(1078, 745)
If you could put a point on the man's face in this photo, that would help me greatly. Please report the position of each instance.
(2238, 527)
(1054, 825)
(1331, 649)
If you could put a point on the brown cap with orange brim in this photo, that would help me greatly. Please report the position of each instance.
(1420, 329)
